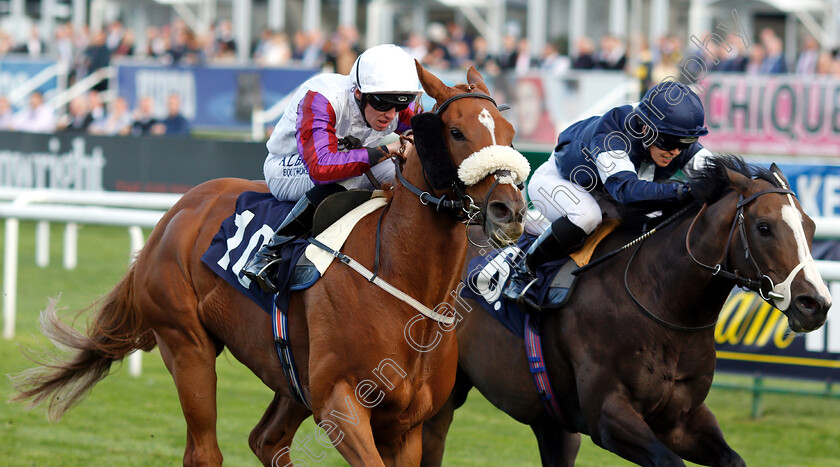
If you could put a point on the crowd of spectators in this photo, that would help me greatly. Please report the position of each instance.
(440, 46)
(88, 115)
(84, 51)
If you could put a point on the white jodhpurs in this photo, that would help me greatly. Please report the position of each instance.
(288, 179)
(554, 197)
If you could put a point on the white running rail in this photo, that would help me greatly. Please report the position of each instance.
(132, 210)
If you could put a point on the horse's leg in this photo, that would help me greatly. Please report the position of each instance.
(348, 425)
(404, 451)
(193, 367)
(436, 428)
(272, 437)
(557, 446)
(700, 440)
(622, 430)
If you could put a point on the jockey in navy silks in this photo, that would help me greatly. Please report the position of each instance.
(328, 139)
(630, 152)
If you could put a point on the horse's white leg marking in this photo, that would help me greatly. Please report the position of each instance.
(487, 120)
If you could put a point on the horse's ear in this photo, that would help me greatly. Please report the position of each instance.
(433, 86)
(474, 78)
(741, 183)
(778, 172)
(429, 140)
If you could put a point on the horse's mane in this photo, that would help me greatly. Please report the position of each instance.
(707, 185)
(710, 183)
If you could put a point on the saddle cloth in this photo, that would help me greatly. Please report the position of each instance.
(490, 274)
(255, 217)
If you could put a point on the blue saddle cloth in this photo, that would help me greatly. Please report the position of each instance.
(240, 237)
(490, 274)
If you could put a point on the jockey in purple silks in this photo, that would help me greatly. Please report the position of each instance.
(328, 138)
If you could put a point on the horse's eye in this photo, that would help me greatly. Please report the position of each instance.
(764, 230)
(457, 135)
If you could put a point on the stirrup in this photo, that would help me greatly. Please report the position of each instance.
(520, 281)
(263, 277)
(526, 304)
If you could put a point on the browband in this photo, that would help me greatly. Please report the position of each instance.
(454, 98)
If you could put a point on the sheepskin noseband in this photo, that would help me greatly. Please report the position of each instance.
(491, 159)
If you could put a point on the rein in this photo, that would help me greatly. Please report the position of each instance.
(639, 241)
(720, 269)
(464, 208)
(461, 208)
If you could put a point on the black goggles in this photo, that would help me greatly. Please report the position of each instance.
(386, 102)
(671, 142)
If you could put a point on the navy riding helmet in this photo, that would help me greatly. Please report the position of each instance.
(676, 113)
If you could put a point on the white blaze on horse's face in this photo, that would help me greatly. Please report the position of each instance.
(793, 218)
(493, 158)
(487, 120)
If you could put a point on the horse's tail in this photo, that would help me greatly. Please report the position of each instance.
(63, 380)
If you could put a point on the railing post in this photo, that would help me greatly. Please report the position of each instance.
(42, 244)
(758, 386)
(10, 269)
(257, 124)
(135, 358)
(71, 237)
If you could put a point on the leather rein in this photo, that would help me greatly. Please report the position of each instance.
(721, 269)
(463, 207)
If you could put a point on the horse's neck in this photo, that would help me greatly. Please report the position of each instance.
(689, 294)
(431, 245)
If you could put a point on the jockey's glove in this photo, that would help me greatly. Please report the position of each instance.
(684, 192)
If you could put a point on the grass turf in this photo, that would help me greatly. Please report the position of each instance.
(129, 421)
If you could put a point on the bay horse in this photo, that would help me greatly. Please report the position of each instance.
(635, 383)
(346, 334)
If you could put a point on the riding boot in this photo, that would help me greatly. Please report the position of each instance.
(297, 224)
(264, 265)
(561, 237)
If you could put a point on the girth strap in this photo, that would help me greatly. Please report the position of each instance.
(280, 326)
(536, 364)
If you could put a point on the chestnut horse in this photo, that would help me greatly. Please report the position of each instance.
(633, 373)
(371, 367)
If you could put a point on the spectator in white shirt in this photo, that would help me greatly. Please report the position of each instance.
(37, 118)
(117, 122)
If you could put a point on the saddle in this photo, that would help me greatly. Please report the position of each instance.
(328, 213)
(489, 275)
(253, 222)
(561, 286)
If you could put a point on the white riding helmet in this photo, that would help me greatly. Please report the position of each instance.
(386, 69)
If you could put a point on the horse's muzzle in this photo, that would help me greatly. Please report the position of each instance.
(504, 221)
(809, 312)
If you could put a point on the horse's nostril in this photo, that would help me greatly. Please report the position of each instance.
(499, 212)
(807, 303)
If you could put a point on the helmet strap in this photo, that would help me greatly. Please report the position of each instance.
(362, 103)
(644, 137)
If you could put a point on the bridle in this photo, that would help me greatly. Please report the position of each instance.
(764, 284)
(463, 207)
(722, 269)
